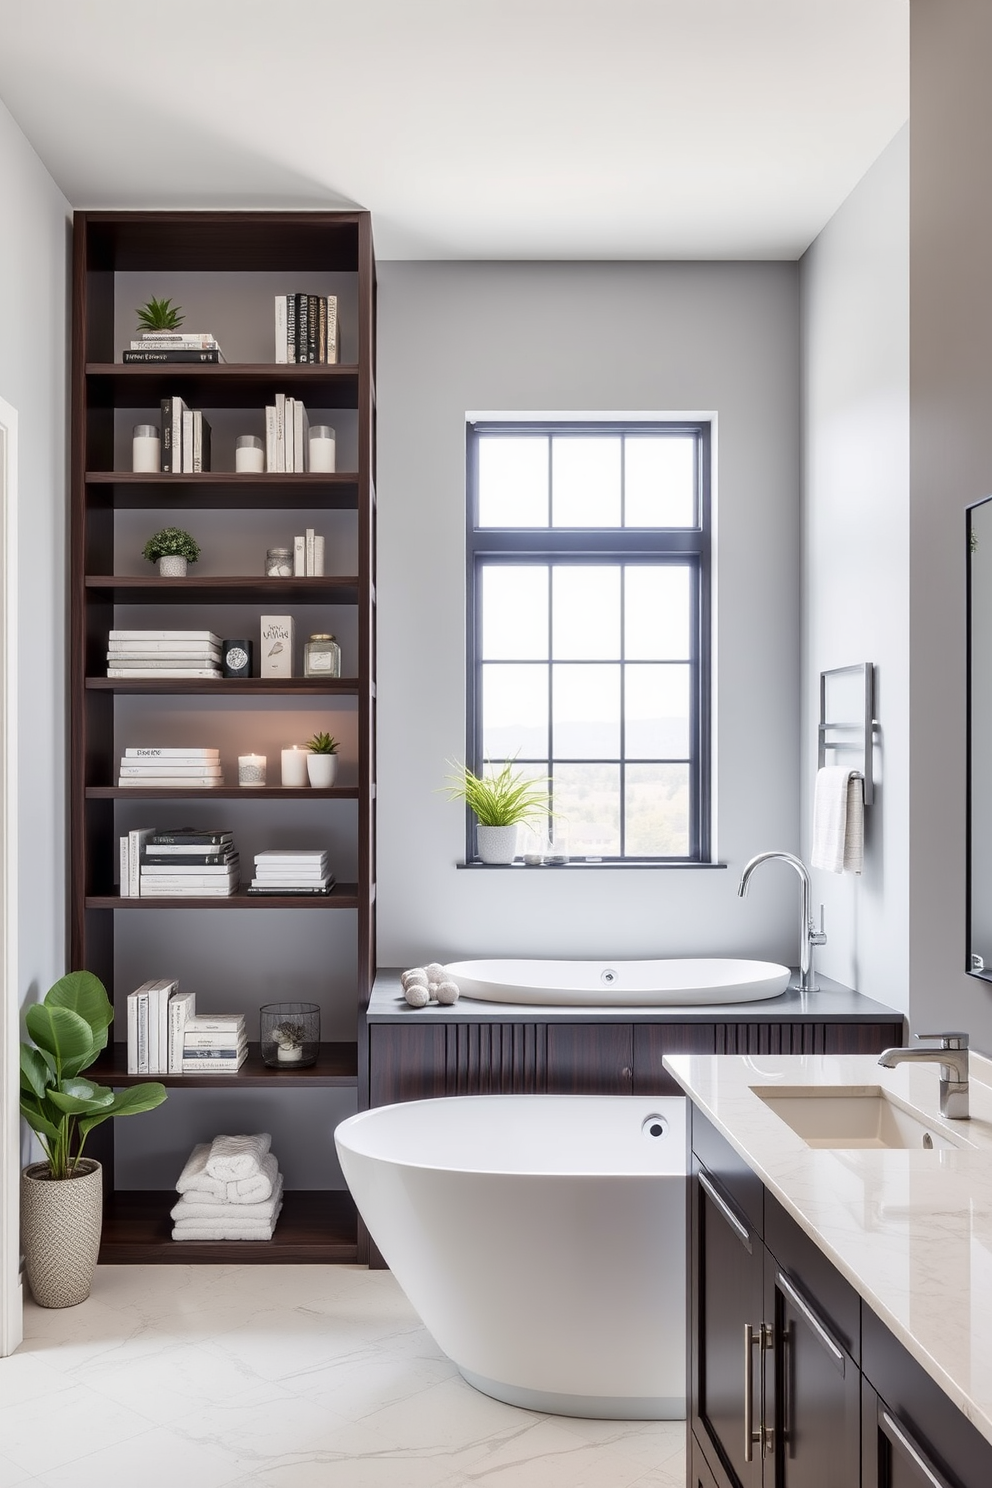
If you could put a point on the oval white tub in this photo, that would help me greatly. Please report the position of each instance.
(621, 983)
(541, 1238)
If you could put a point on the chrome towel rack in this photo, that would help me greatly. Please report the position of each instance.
(847, 721)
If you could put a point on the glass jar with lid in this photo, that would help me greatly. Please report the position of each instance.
(279, 563)
(321, 657)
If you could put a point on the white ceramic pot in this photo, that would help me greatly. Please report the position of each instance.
(61, 1220)
(322, 768)
(172, 566)
(496, 844)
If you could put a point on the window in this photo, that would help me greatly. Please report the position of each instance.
(588, 581)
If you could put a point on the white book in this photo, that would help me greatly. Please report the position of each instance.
(309, 552)
(124, 877)
(178, 453)
(207, 850)
(214, 1022)
(160, 998)
(159, 873)
(280, 431)
(197, 891)
(163, 766)
(290, 883)
(301, 437)
(132, 1034)
(136, 841)
(281, 336)
(197, 442)
(318, 556)
(181, 1006)
(178, 340)
(166, 635)
(179, 647)
(332, 328)
(165, 673)
(222, 1038)
(167, 767)
(217, 1066)
(162, 662)
(165, 782)
(300, 556)
(141, 998)
(187, 441)
(291, 855)
(289, 433)
(276, 645)
(186, 752)
(270, 437)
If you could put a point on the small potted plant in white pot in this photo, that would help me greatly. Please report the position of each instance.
(171, 548)
(62, 1197)
(502, 799)
(322, 761)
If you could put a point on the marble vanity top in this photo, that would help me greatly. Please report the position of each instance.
(911, 1230)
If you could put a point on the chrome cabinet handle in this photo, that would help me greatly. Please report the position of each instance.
(750, 1435)
(803, 1307)
(912, 1450)
(712, 1192)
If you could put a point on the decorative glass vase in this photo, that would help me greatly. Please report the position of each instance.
(289, 1033)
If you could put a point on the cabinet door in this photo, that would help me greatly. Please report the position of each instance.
(726, 1337)
(590, 1058)
(406, 1063)
(813, 1402)
(700, 1474)
(893, 1456)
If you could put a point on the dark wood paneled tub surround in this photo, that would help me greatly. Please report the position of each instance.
(479, 1048)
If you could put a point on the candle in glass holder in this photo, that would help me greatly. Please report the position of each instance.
(322, 449)
(251, 769)
(145, 450)
(249, 455)
(294, 766)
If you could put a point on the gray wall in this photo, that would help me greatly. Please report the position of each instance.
(33, 285)
(951, 465)
(855, 593)
(585, 338)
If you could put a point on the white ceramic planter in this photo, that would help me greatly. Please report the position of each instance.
(61, 1220)
(172, 566)
(322, 769)
(496, 844)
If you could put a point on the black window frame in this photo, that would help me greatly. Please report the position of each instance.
(561, 545)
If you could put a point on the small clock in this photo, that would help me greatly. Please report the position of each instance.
(236, 657)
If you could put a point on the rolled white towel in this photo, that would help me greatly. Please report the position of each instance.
(237, 1213)
(258, 1187)
(195, 1179)
(231, 1158)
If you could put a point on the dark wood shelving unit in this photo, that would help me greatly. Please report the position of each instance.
(319, 1226)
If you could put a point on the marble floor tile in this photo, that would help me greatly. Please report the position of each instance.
(12, 1476)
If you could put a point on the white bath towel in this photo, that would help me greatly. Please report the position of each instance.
(838, 821)
(194, 1178)
(231, 1158)
(226, 1229)
(203, 1213)
(258, 1187)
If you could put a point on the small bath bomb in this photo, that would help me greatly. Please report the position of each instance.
(447, 992)
(415, 974)
(435, 972)
(417, 995)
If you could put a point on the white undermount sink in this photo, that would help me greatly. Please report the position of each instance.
(845, 1116)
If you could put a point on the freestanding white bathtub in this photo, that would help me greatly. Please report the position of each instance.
(541, 1238)
(671, 983)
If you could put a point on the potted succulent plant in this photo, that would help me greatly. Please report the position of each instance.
(502, 799)
(62, 1197)
(322, 761)
(172, 548)
(159, 315)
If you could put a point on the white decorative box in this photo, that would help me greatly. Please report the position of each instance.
(277, 646)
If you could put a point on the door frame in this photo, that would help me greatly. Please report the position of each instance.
(11, 1297)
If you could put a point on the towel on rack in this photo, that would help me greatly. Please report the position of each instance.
(231, 1158)
(838, 820)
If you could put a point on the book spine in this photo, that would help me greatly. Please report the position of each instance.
(318, 556)
(301, 423)
(142, 1020)
(164, 672)
(230, 1024)
(181, 1008)
(190, 752)
(125, 886)
(312, 328)
(189, 636)
(171, 357)
(185, 860)
(166, 435)
(289, 433)
(332, 328)
(164, 839)
(227, 1040)
(199, 339)
(280, 432)
(281, 348)
(300, 556)
(219, 1067)
(291, 328)
(302, 336)
(322, 328)
(187, 441)
(132, 1033)
(310, 535)
(270, 437)
(178, 453)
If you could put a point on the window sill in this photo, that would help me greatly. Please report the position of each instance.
(628, 864)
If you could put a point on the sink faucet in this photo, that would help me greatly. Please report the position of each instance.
(809, 936)
(952, 1056)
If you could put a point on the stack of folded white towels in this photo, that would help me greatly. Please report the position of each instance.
(231, 1189)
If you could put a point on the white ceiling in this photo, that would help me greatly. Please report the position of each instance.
(471, 128)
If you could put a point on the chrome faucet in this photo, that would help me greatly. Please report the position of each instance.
(952, 1056)
(809, 936)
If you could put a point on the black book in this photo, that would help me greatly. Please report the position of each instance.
(313, 328)
(291, 327)
(179, 835)
(302, 334)
(187, 860)
(166, 435)
(171, 356)
(294, 891)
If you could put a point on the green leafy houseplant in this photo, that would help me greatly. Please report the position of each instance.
(68, 1031)
(159, 315)
(500, 797)
(322, 743)
(171, 542)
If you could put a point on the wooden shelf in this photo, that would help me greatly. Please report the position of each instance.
(231, 686)
(337, 1065)
(314, 1227)
(230, 385)
(224, 793)
(342, 896)
(225, 589)
(222, 490)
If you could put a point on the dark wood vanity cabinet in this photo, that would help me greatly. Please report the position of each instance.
(793, 1380)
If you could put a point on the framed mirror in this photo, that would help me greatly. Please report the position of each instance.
(979, 916)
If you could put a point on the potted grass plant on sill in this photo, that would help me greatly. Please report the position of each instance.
(62, 1197)
(502, 799)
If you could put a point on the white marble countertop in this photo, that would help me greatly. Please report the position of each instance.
(910, 1230)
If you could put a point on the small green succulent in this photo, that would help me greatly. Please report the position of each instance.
(171, 542)
(322, 744)
(159, 315)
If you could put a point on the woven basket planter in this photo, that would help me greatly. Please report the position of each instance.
(61, 1219)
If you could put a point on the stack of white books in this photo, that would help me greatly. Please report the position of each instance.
(156, 1015)
(187, 864)
(287, 435)
(287, 870)
(214, 1043)
(163, 653)
(190, 767)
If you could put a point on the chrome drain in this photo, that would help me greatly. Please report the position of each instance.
(608, 977)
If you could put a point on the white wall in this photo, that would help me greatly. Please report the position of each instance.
(555, 337)
(34, 249)
(855, 595)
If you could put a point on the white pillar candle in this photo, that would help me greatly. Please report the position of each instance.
(146, 450)
(290, 1055)
(249, 455)
(294, 766)
(251, 769)
(322, 449)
